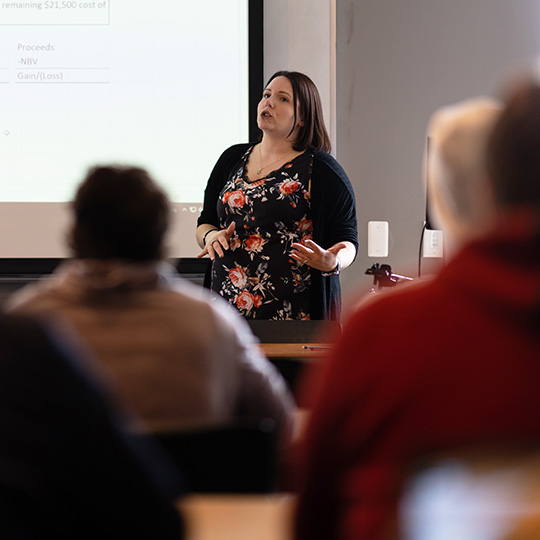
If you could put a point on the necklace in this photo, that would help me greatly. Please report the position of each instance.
(278, 159)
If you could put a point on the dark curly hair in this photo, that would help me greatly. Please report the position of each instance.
(120, 213)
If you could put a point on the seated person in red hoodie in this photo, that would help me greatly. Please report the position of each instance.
(445, 363)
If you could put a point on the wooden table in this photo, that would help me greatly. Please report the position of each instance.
(238, 517)
(292, 358)
(301, 351)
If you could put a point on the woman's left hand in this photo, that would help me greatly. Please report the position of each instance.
(315, 256)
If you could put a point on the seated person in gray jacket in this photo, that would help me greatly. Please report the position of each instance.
(178, 358)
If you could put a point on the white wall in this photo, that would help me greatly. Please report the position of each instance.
(299, 36)
(395, 63)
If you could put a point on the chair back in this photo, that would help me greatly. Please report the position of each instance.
(238, 457)
(294, 331)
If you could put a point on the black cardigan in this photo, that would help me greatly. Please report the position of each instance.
(333, 211)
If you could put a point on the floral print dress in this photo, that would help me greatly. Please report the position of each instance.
(257, 274)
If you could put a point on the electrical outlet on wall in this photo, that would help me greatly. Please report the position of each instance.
(377, 238)
(433, 246)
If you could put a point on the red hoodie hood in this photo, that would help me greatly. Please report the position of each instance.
(504, 267)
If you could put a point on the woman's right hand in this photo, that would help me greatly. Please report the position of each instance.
(217, 242)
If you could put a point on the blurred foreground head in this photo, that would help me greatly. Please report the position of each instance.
(514, 148)
(119, 213)
(459, 188)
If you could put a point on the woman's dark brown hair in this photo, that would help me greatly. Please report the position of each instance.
(120, 213)
(307, 105)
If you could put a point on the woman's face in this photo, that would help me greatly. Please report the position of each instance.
(275, 113)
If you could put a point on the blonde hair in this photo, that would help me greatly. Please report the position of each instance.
(459, 190)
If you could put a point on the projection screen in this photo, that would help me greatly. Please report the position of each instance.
(161, 84)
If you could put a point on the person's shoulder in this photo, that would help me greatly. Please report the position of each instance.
(394, 305)
(326, 163)
(186, 292)
(32, 299)
(235, 151)
(239, 147)
(179, 290)
(199, 302)
(47, 293)
(228, 159)
(324, 157)
(223, 317)
(220, 323)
